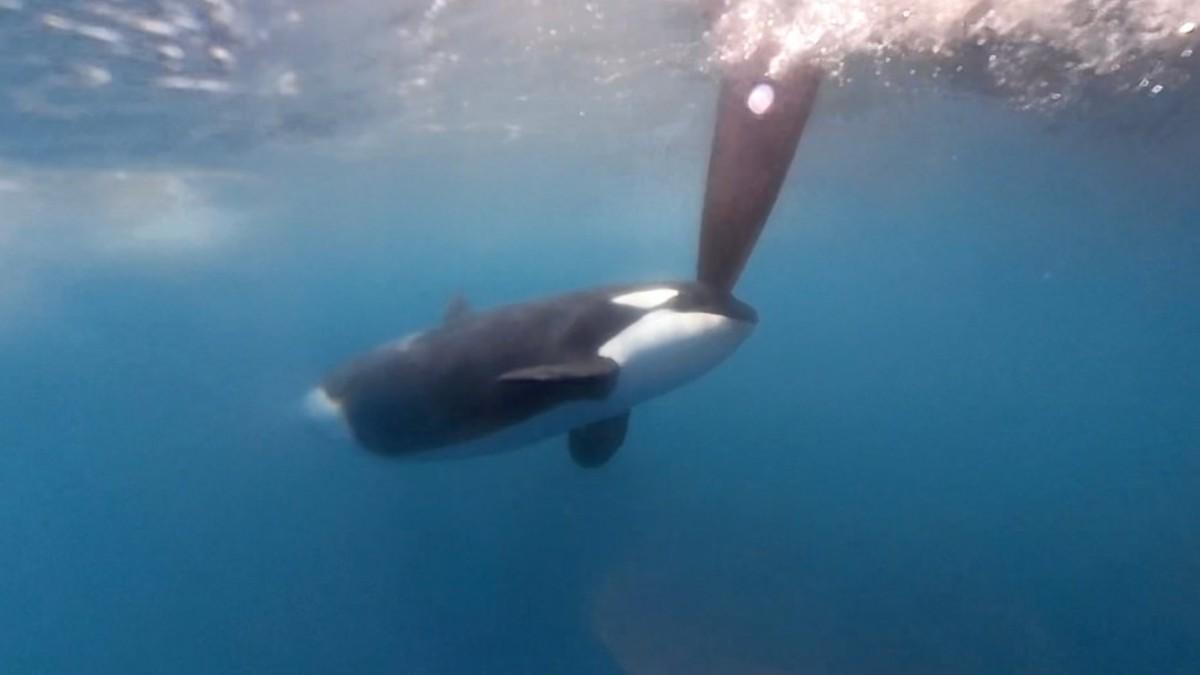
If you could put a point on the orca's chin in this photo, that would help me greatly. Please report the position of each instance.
(325, 416)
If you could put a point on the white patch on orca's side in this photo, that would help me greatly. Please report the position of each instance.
(326, 414)
(647, 299)
(665, 349)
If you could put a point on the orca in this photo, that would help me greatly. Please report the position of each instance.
(576, 364)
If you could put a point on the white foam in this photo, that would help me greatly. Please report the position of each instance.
(1029, 45)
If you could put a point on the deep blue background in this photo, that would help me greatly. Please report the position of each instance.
(965, 438)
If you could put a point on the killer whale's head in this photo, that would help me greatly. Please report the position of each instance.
(372, 400)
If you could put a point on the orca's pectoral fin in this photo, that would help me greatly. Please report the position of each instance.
(594, 444)
(456, 310)
(590, 378)
(759, 122)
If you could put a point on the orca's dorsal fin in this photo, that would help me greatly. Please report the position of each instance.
(456, 310)
(592, 445)
(759, 122)
(589, 378)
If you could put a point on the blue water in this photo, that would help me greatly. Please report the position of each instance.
(964, 439)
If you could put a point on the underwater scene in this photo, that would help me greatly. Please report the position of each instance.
(716, 337)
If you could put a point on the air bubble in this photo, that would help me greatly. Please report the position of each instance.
(93, 76)
(222, 56)
(761, 98)
(1187, 28)
(288, 84)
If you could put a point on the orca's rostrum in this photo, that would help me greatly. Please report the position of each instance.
(576, 364)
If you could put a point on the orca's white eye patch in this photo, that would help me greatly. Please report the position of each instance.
(646, 299)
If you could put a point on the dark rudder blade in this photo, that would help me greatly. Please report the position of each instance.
(753, 143)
